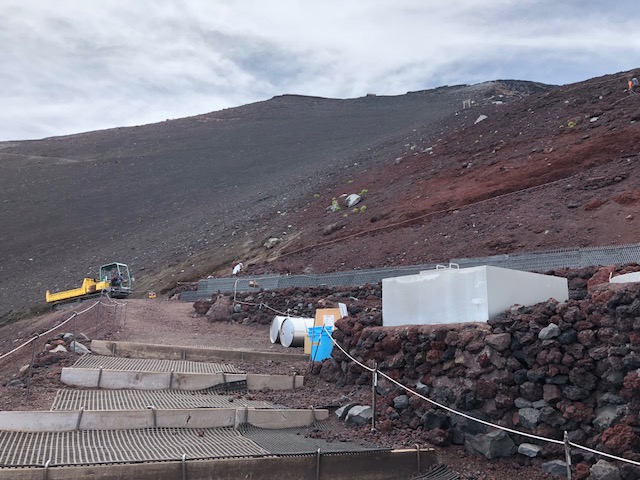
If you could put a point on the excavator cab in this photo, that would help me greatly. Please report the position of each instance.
(118, 277)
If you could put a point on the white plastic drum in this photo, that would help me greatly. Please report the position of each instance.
(274, 330)
(293, 331)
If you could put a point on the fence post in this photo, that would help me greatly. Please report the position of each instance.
(45, 473)
(374, 384)
(318, 456)
(97, 320)
(567, 454)
(33, 356)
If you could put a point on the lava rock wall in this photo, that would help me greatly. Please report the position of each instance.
(545, 369)
(260, 307)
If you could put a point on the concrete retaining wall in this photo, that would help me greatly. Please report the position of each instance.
(48, 421)
(196, 354)
(373, 466)
(115, 379)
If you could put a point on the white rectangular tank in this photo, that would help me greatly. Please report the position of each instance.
(456, 295)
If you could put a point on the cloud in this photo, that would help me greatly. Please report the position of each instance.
(72, 66)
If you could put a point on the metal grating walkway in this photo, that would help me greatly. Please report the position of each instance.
(292, 441)
(152, 365)
(439, 472)
(122, 446)
(140, 399)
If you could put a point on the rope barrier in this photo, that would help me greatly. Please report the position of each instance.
(75, 314)
(469, 417)
(259, 305)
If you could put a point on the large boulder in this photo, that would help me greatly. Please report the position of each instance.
(221, 310)
(604, 470)
(556, 467)
(202, 305)
(78, 348)
(494, 444)
(620, 439)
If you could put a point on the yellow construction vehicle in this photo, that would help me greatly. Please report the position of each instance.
(114, 279)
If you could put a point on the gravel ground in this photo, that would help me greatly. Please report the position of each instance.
(170, 322)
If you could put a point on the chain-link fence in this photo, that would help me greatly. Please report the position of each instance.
(531, 262)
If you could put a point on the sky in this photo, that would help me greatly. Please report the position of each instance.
(71, 66)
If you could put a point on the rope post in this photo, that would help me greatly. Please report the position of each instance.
(95, 334)
(45, 474)
(79, 421)
(318, 456)
(374, 384)
(153, 415)
(567, 454)
(33, 357)
(418, 458)
(97, 317)
(184, 466)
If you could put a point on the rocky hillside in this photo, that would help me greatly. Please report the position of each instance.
(182, 198)
(526, 167)
(556, 169)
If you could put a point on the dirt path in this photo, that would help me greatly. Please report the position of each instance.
(168, 322)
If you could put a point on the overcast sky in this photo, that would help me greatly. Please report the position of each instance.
(69, 66)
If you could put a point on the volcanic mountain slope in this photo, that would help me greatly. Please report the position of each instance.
(548, 167)
(556, 169)
(180, 198)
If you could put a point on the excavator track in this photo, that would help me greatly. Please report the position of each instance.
(70, 303)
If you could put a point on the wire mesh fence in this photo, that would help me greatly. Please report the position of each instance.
(531, 262)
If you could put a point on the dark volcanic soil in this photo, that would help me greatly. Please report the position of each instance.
(558, 169)
(181, 199)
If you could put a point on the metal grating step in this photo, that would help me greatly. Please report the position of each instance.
(152, 365)
(438, 472)
(292, 441)
(227, 388)
(140, 399)
(122, 446)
